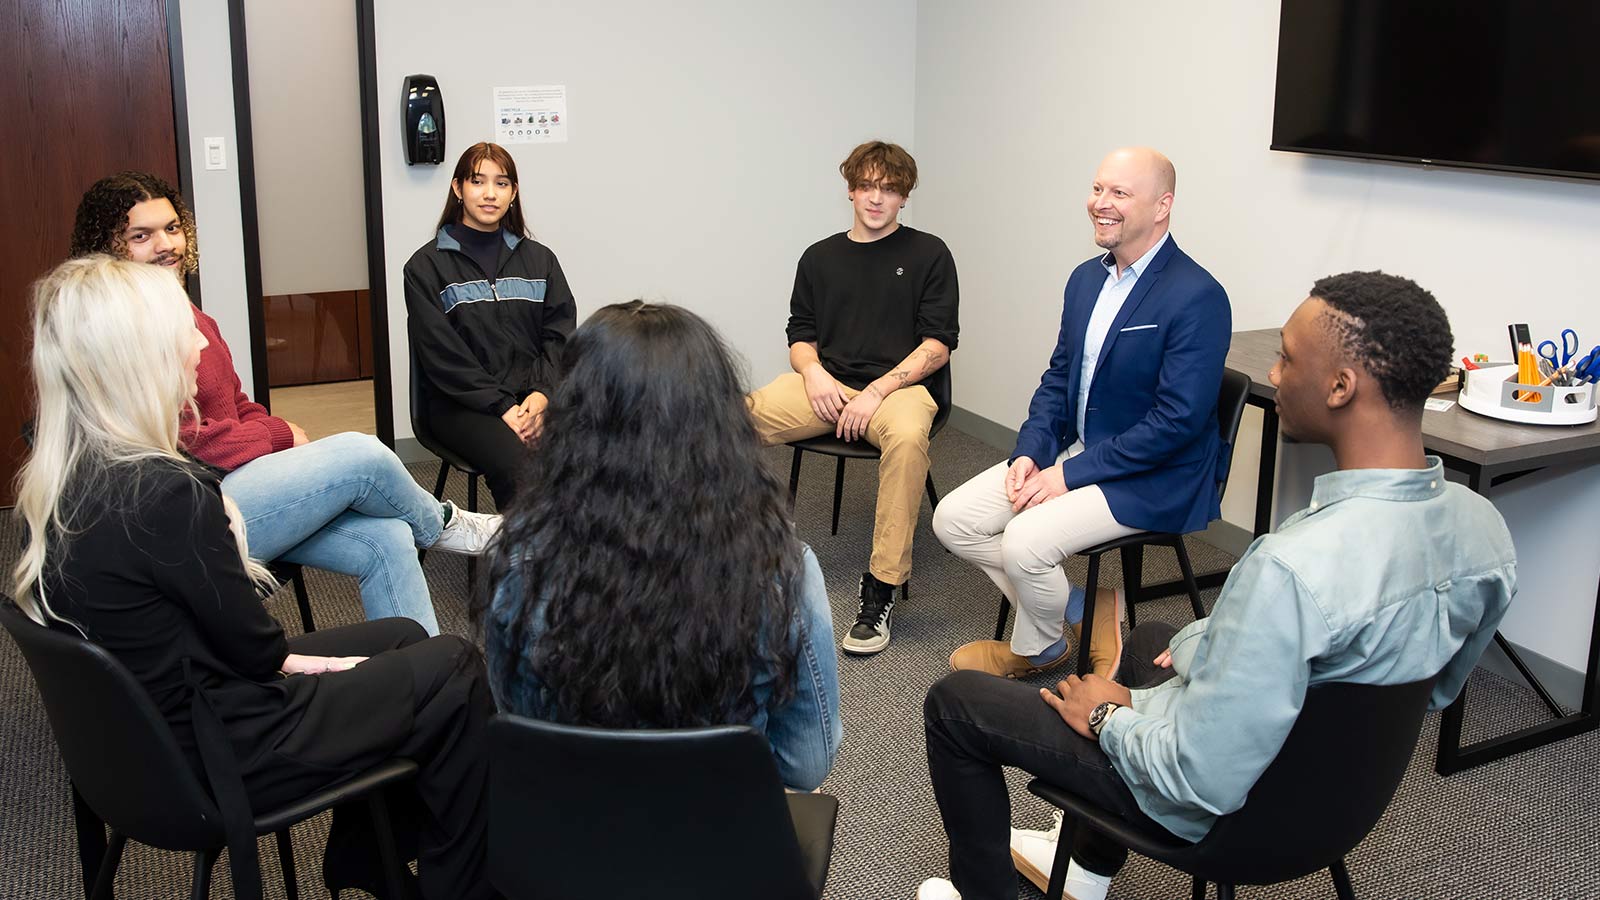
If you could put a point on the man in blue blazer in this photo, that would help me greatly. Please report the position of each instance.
(1121, 435)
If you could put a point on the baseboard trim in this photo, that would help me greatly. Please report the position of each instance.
(987, 430)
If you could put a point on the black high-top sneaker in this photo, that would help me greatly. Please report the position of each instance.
(871, 631)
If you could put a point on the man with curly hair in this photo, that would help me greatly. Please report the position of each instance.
(872, 322)
(1392, 575)
(344, 503)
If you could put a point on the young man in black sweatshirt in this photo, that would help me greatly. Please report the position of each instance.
(872, 322)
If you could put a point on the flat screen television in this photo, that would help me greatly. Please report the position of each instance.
(1511, 85)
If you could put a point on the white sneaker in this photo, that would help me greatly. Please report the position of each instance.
(937, 889)
(467, 532)
(1033, 853)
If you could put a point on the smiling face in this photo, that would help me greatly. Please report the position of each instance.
(1129, 203)
(877, 207)
(154, 234)
(485, 196)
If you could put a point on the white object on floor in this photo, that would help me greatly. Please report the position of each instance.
(937, 889)
(1034, 855)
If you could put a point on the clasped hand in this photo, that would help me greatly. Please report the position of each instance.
(1028, 486)
(300, 664)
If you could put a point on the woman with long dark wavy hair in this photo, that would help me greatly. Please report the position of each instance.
(648, 577)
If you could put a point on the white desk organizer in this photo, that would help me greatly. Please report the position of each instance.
(1488, 391)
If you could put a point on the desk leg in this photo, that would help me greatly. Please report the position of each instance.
(1266, 475)
(1452, 757)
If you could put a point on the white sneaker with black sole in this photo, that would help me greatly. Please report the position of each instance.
(870, 633)
(467, 533)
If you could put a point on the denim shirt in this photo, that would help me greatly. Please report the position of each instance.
(804, 733)
(1390, 576)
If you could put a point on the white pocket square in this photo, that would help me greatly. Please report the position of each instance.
(1138, 327)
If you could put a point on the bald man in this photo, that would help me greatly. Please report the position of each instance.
(1121, 435)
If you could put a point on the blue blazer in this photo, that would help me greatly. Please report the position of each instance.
(1150, 432)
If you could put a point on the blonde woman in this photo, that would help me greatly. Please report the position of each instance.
(132, 545)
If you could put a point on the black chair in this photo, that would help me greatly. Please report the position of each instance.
(938, 386)
(128, 772)
(693, 814)
(1230, 410)
(1328, 786)
(447, 459)
(285, 572)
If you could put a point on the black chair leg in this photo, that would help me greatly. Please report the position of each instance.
(1058, 869)
(1197, 888)
(472, 506)
(1341, 880)
(203, 861)
(794, 477)
(303, 600)
(1189, 583)
(386, 848)
(1000, 620)
(1224, 892)
(1089, 590)
(1132, 580)
(933, 495)
(838, 493)
(108, 866)
(91, 840)
(291, 886)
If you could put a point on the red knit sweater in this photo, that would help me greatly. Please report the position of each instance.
(233, 429)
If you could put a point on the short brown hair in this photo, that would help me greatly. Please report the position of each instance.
(893, 166)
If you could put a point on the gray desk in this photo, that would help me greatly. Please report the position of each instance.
(1490, 453)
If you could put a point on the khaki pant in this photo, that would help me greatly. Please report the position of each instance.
(899, 429)
(1022, 552)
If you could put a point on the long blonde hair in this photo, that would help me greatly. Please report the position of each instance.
(111, 341)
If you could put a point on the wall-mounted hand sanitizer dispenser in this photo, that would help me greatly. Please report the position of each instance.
(424, 121)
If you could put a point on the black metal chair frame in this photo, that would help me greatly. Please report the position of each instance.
(189, 819)
(447, 459)
(1230, 411)
(1331, 781)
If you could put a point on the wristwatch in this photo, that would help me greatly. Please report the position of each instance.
(1099, 715)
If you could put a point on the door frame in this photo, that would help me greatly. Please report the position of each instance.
(372, 182)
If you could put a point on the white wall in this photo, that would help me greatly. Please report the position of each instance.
(704, 146)
(208, 82)
(1017, 102)
(305, 112)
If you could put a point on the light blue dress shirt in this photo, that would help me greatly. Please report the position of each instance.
(1113, 293)
(1390, 576)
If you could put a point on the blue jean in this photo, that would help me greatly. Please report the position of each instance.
(346, 504)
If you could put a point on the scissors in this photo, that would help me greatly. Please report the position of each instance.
(1569, 348)
(1588, 368)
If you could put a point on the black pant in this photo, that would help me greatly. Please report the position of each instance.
(976, 723)
(442, 730)
(485, 441)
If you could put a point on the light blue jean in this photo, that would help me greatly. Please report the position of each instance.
(346, 504)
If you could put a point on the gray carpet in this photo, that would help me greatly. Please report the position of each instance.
(1525, 827)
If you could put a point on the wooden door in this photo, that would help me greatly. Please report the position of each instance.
(85, 91)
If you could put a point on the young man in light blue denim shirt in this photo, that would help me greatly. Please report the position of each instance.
(1391, 575)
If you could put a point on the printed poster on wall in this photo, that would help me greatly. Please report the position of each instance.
(535, 114)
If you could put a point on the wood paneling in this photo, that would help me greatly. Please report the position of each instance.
(85, 91)
(318, 338)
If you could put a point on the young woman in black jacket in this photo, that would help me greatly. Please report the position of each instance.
(488, 311)
(133, 546)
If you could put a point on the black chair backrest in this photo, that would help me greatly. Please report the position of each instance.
(1328, 786)
(938, 385)
(419, 422)
(1231, 401)
(118, 749)
(591, 812)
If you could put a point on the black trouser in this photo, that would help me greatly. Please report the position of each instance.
(977, 723)
(485, 441)
(442, 731)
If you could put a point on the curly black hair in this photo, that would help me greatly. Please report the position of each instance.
(649, 547)
(1395, 329)
(103, 215)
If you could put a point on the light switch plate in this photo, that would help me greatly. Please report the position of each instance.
(216, 154)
